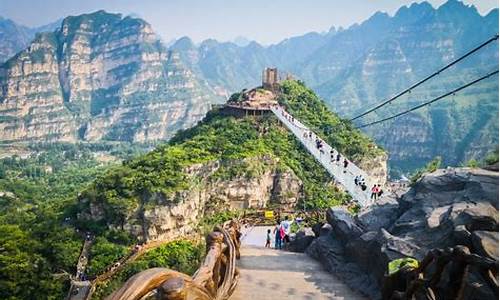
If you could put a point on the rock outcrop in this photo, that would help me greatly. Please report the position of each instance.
(443, 209)
(181, 213)
(99, 76)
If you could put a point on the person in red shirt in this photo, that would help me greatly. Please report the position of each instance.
(374, 192)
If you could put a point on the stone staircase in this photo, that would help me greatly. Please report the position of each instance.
(343, 176)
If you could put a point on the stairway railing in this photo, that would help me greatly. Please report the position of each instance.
(216, 278)
(344, 176)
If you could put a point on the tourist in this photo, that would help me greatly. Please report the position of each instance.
(379, 191)
(346, 163)
(277, 235)
(363, 185)
(338, 157)
(285, 227)
(332, 155)
(268, 239)
(374, 192)
(356, 180)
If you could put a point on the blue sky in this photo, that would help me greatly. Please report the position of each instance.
(266, 21)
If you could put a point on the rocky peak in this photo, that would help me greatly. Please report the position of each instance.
(414, 12)
(455, 9)
(104, 77)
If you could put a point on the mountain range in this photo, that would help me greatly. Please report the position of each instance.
(120, 81)
(15, 37)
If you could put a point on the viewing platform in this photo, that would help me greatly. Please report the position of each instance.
(255, 102)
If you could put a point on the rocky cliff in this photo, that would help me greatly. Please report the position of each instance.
(15, 37)
(99, 76)
(223, 163)
(181, 212)
(357, 67)
(444, 209)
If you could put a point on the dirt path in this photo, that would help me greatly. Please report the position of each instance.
(272, 274)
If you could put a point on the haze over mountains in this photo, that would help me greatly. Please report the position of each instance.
(104, 77)
(15, 37)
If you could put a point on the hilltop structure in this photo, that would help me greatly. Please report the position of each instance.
(257, 100)
(270, 79)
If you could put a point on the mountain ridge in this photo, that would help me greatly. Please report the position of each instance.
(357, 67)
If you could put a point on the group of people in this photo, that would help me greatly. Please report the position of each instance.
(336, 158)
(281, 234)
(360, 181)
(376, 192)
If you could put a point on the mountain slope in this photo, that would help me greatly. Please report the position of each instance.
(99, 76)
(419, 41)
(355, 68)
(15, 37)
(223, 162)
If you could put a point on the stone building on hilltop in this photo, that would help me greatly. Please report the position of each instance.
(270, 79)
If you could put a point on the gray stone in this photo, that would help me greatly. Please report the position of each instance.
(485, 243)
(302, 239)
(326, 230)
(344, 226)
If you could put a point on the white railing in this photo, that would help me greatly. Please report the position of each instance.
(343, 176)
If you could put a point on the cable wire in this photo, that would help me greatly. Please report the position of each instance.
(494, 38)
(431, 101)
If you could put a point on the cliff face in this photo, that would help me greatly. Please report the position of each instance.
(225, 163)
(181, 213)
(100, 76)
(15, 37)
(355, 68)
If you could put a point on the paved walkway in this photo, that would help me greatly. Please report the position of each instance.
(344, 176)
(273, 274)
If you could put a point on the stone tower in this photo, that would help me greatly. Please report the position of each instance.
(270, 79)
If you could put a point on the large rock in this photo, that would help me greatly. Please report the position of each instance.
(180, 214)
(343, 224)
(444, 209)
(302, 239)
(379, 215)
(485, 243)
(330, 252)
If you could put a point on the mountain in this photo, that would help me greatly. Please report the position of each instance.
(408, 47)
(355, 68)
(224, 162)
(104, 92)
(100, 76)
(15, 37)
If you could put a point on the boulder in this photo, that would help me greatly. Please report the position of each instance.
(485, 243)
(343, 224)
(462, 236)
(326, 230)
(444, 209)
(330, 253)
(316, 228)
(476, 288)
(303, 238)
(380, 215)
(479, 216)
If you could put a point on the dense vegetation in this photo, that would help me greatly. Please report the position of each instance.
(40, 193)
(158, 175)
(39, 245)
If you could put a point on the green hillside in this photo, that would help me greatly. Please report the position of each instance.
(223, 138)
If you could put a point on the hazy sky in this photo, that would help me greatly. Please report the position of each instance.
(266, 21)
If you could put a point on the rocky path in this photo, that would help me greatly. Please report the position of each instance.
(344, 176)
(272, 274)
